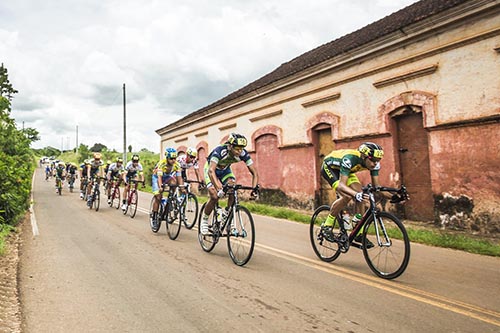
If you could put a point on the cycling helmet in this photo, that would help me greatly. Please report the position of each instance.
(192, 152)
(237, 140)
(61, 164)
(371, 149)
(119, 160)
(108, 162)
(170, 153)
(135, 158)
(97, 156)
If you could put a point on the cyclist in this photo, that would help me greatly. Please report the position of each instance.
(48, 172)
(218, 173)
(131, 171)
(166, 171)
(83, 176)
(187, 161)
(114, 173)
(94, 171)
(339, 169)
(71, 171)
(60, 172)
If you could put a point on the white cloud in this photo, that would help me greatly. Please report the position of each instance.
(69, 59)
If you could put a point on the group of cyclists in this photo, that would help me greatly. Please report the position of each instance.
(339, 169)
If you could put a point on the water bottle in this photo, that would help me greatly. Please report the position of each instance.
(219, 214)
(355, 219)
(163, 201)
(347, 221)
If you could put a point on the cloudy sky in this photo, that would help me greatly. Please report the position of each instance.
(69, 59)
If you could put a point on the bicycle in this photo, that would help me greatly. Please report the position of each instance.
(384, 240)
(240, 240)
(132, 198)
(94, 199)
(115, 194)
(172, 210)
(84, 183)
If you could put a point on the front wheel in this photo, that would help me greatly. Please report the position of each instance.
(209, 241)
(324, 249)
(190, 211)
(386, 245)
(97, 200)
(173, 218)
(155, 225)
(241, 238)
(132, 206)
(116, 198)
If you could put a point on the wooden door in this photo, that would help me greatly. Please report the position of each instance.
(415, 167)
(324, 147)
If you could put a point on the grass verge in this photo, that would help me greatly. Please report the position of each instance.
(5, 230)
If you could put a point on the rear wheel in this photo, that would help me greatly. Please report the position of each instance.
(386, 245)
(209, 241)
(241, 245)
(132, 209)
(190, 211)
(325, 250)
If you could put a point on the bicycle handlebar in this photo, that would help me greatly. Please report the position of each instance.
(400, 194)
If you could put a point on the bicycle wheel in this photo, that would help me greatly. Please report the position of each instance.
(132, 206)
(155, 226)
(390, 254)
(59, 187)
(116, 200)
(173, 218)
(241, 246)
(97, 200)
(190, 211)
(207, 242)
(325, 250)
(127, 201)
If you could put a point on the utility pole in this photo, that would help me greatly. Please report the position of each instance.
(124, 127)
(77, 138)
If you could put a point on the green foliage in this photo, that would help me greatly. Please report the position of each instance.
(98, 147)
(16, 158)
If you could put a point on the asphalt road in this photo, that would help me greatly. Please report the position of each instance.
(87, 271)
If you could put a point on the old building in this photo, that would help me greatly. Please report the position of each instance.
(423, 82)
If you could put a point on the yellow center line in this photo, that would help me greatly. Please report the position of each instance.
(465, 309)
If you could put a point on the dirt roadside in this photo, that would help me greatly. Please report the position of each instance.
(10, 314)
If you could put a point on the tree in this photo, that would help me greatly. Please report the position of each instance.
(6, 88)
(130, 148)
(16, 168)
(98, 147)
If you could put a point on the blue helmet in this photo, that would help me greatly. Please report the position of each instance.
(170, 153)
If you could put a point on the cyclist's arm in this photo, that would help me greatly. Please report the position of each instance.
(213, 177)
(342, 187)
(255, 175)
(376, 183)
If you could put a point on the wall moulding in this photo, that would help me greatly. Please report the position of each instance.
(406, 76)
(267, 115)
(320, 100)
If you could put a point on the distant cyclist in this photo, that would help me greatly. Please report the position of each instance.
(114, 173)
(166, 171)
(94, 171)
(60, 173)
(133, 170)
(188, 161)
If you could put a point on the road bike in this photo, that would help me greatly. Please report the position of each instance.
(237, 227)
(115, 194)
(381, 236)
(132, 198)
(94, 199)
(84, 183)
(172, 210)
